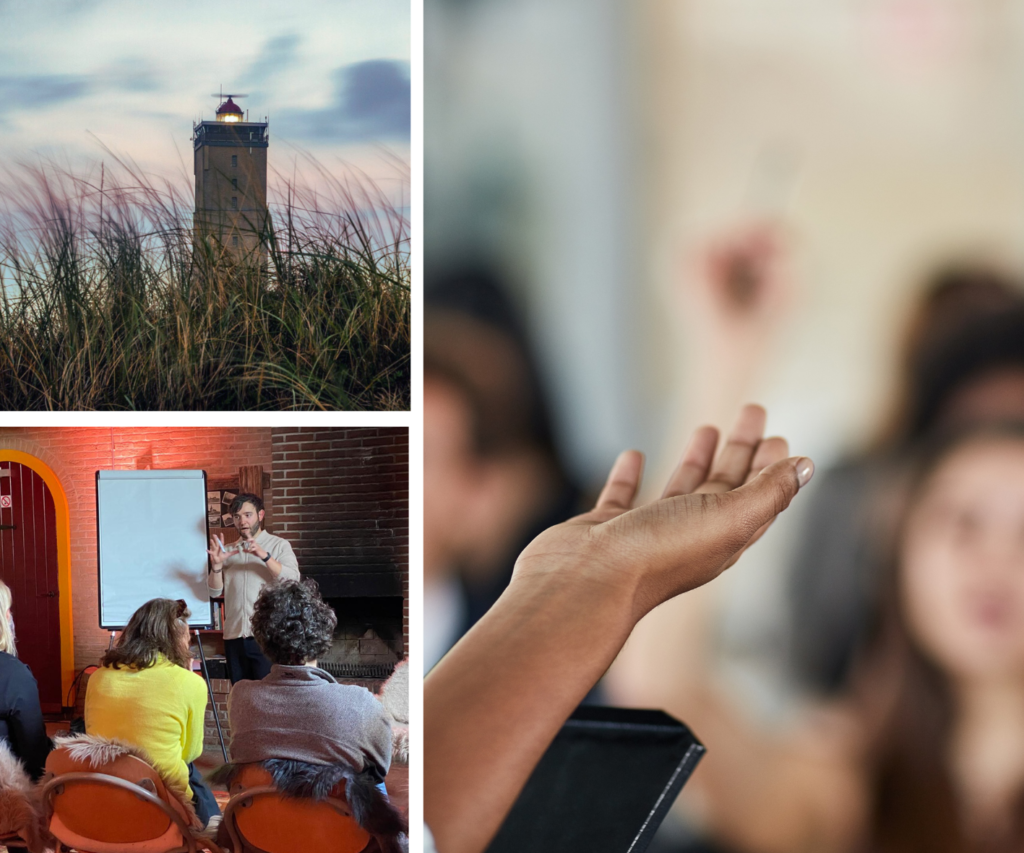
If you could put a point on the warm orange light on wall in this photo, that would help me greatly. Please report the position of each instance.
(60, 505)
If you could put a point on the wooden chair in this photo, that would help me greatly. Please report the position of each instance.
(259, 817)
(121, 806)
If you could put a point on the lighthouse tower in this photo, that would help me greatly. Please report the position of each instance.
(230, 156)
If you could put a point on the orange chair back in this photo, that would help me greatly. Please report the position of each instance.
(107, 814)
(278, 824)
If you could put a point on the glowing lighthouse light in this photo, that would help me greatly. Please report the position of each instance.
(229, 110)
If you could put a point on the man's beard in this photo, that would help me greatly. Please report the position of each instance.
(252, 530)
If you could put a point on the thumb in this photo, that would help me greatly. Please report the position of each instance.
(771, 491)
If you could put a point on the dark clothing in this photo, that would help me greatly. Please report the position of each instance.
(21, 718)
(245, 661)
(301, 713)
(202, 797)
(834, 585)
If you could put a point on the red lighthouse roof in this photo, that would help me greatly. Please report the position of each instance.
(228, 107)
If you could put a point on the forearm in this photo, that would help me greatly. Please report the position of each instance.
(495, 702)
(215, 581)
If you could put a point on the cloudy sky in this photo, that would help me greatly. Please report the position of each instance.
(333, 75)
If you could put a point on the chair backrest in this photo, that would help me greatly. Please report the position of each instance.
(259, 816)
(118, 806)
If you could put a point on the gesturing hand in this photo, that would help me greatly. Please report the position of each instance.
(712, 509)
(217, 552)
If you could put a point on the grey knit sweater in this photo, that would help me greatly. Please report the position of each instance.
(302, 713)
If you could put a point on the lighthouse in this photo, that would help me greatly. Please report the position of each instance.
(230, 163)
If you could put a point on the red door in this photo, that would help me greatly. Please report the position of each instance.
(28, 565)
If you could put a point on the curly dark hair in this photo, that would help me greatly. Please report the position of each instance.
(158, 627)
(292, 623)
(243, 499)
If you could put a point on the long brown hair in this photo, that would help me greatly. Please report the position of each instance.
(915, 805)
(158, 627)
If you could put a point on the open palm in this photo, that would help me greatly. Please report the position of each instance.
(712, 509)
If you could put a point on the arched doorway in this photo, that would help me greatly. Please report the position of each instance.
(34, 563)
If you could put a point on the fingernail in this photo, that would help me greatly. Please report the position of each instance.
(804, 471)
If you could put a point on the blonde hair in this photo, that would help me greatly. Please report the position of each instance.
(6, 636)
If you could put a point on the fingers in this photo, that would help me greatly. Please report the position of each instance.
(768, 452)
(769, 493)
(731, 467)
(623, 481)
(696, 462)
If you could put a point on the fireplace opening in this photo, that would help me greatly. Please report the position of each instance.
(369, 640)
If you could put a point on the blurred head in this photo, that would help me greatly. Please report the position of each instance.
(487, 435)
(159, 627)
(963, 355)
(961, 575)
(6, 621)
(292, 623)
(953, 623)
(247, 511)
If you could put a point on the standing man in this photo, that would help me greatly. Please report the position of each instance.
(240, 571)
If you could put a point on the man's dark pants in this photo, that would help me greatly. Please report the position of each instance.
(245, 660)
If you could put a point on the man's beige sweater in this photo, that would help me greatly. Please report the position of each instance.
(245, 575)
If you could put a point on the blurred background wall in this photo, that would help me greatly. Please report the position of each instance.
(530, 122)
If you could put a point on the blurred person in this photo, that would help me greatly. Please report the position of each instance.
(495, 702)
(22, 730)
(239, 573)
(21, 718)
(146, 694)
(963, 364)
(925, 750)
(492, 475)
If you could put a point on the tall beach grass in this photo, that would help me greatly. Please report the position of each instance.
(108, 302)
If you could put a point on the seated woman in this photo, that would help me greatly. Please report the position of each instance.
(22, 730)
(308, 731)
(21, 719)
(300, 712)
(146, 694)
(926, 749)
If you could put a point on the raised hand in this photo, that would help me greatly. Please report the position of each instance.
(495, 701)
(217, 552)
(711, 510)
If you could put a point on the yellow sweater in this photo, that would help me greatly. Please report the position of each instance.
(161, 709)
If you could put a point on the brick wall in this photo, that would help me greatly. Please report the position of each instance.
(211, 744)
(342, 499)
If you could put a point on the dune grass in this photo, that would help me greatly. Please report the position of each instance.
(108, 302)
